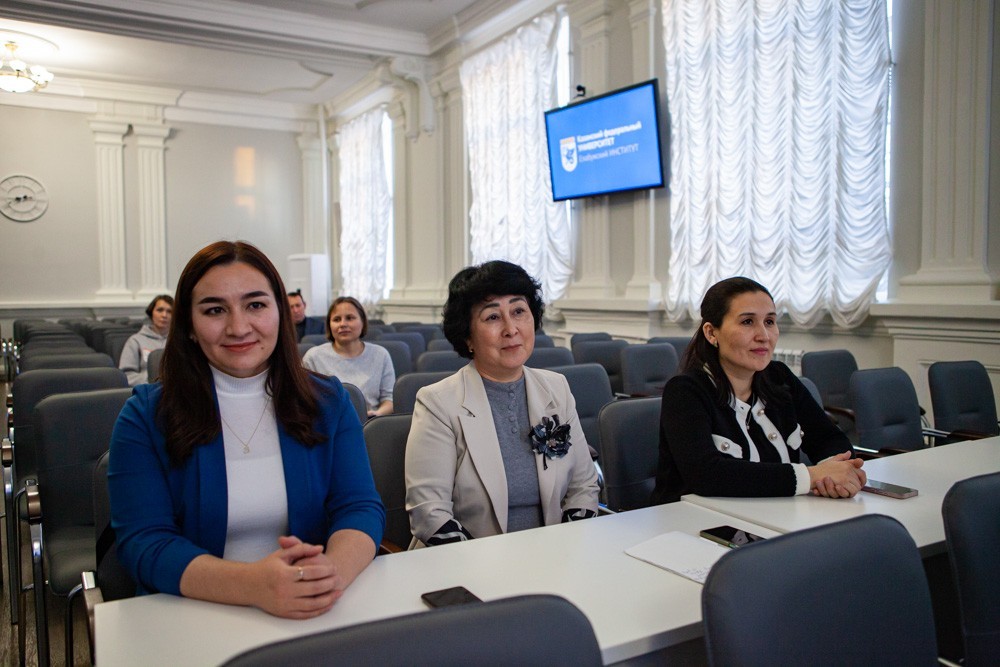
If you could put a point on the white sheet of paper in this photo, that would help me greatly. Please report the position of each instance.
(680, 553)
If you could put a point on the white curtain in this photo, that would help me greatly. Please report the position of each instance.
(365, 208)
(778, 120)
(506, 89)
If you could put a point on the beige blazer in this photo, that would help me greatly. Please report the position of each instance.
(454, 468)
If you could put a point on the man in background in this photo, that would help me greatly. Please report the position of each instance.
(303, 325)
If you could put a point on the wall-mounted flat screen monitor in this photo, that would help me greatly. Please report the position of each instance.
(609, 143)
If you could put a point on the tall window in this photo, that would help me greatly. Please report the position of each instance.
(365, 206)
(506, 89)
(779, 113)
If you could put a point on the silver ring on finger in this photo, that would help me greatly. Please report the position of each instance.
(302, 575)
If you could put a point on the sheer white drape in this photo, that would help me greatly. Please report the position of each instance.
(506, 89)
(779, 112)
(365, 207)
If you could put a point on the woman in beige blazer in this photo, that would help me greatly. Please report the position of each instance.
(496, 447)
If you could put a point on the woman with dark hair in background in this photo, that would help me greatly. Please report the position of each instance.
(734, 421)
(350, 359)
(152, 336)
(496, 447)
(241, 478)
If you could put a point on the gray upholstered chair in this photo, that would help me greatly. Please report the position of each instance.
(971, 511)
(404, 393)
(414, 340)
(153, 365)
(445, 360)
(399, 352)
(680, 344)
(71, 360)
(440, 345)
(20, 462)
(385, 439)
(607, 353)
(428, 331)
(591, 390)
(109, 580)
(584, 337)
(549, 357)
(314, 339)
(523, 630)
(358, 401)
(72, 432)
(962, 398)
(886, 411)
(543, 340)
(630, 450)
(646, 368)
(754, 611)
(831, 370)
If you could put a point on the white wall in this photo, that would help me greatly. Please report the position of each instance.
(49, 260)
(232, 184)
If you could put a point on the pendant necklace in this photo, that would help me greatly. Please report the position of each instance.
(246, 443)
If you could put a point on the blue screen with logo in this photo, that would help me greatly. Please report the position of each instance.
(606, 144)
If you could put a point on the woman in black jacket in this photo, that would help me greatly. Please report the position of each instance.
(734, 422)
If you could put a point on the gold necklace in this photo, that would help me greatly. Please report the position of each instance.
(246, 443)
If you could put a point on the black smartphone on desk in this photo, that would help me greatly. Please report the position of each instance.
(887, 489)
(449, 596)
(731, 537)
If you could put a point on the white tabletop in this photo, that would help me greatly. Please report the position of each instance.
(931, 471)
(634, 607)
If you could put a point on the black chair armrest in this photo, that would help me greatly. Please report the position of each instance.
(92, 597)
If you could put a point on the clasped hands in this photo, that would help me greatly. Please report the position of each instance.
(839, 476)
(298, 580)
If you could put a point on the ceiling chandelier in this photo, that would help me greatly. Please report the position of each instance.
(16, 76)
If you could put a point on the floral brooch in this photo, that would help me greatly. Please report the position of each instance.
(551, 439)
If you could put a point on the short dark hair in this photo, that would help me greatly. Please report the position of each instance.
(357, 306)
(187, 411)
(473, 285)
(702, 354)
(159, 297)
(298, 293)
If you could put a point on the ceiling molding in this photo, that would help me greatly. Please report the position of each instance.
(225, 24)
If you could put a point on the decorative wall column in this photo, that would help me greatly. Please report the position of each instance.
(109, 140)
(151, 140)
(447, 91)
(593, 213)
(400, 200)
(956, 159)
(643, 284)
(315, 230)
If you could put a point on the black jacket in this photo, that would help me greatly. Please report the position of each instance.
(691, 462)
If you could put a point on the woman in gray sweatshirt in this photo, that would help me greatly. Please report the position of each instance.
(152, 336)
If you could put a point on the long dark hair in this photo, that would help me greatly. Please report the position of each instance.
(701, 354)
(473, 285)
(188, 413)
(357, 306)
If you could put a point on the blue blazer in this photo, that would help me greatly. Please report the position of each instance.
(165, 516)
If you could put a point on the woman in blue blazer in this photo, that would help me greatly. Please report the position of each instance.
(241, 478)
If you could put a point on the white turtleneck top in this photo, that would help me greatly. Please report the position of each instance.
(258, 504)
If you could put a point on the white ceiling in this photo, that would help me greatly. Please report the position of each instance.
(299, 51)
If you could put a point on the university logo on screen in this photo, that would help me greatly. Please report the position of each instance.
(567, 149)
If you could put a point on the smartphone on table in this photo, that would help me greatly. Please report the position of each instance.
(449, 596)
(887, 489)
(731, 537)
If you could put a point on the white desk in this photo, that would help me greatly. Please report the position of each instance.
(931, 471)
(635, 608)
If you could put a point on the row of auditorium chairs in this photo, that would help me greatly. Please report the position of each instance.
(878, 408)
(632, 369)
